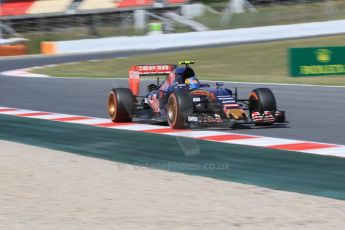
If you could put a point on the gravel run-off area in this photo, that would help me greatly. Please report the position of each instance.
(47, 189)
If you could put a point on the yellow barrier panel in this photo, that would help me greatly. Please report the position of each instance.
(48, 48)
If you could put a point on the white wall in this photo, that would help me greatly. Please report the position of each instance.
(192, 39)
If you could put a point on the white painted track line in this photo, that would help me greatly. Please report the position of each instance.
(139, 127)
(92, 121)
(263, 141)
(196, 133)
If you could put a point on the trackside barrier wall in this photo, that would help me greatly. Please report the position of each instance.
(48, 48)
(15, 49)
(193, 39)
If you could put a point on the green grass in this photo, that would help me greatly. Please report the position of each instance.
(260, 62)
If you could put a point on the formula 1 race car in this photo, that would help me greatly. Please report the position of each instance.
(182, 101)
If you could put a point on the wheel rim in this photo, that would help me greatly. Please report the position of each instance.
(172, 111)
(112, 105)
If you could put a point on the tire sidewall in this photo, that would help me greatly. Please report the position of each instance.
(172, 97)
(184, 108)
(124, 104)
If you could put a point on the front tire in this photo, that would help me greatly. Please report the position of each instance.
(120, 105)
(180, 105)
(261, 100)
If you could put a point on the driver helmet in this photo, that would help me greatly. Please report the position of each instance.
(192, 82)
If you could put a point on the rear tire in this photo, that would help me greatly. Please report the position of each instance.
(120, 105)
(180, 105)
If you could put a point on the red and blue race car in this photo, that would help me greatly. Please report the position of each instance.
(182, 101)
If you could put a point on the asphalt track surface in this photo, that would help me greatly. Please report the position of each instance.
(315, 113)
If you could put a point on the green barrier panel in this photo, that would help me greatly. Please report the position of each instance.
(317, 61)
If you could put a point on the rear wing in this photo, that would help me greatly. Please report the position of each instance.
(150, 70)
(138, 71)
